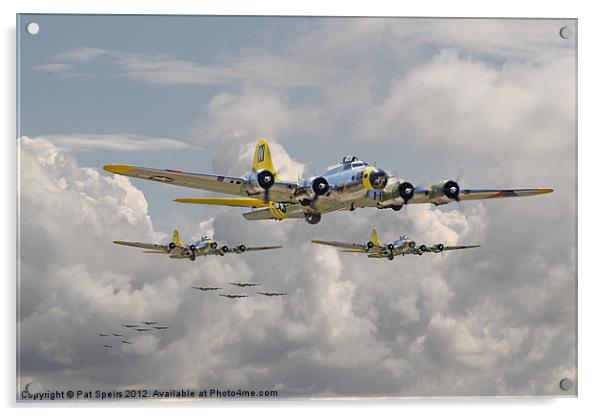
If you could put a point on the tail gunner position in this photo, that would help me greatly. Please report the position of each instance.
(348, 185)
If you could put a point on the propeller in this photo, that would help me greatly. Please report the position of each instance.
(451, 189)
(406, 191)
(319, 186)
(266, 180)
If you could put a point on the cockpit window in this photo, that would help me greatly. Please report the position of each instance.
(357, 165)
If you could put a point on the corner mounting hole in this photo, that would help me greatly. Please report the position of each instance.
(566, 384)
(566, 32)
(32, 28)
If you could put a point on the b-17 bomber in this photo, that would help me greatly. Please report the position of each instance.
(272, 293)
(142, 329)
(130, 325)
(347, 185)
(374, 248)
(233, 296)
(103, 335)
(107, 346)
(206, 246)
(126, 342)
(161, 327)
(149, 322)
(239, 284)
(206, 288)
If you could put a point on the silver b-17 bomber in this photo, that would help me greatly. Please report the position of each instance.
(233, 295)
(348, 185)
(206, 246)
(242, 284)
(206, 288)
(272, 293)
(400, 247)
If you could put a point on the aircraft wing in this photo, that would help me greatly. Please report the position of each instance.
(448, 248)
(421, 196)
(209, 182)
(237, 250)
(145, 246)
(281, 191)
(469, 194)
(352, 246)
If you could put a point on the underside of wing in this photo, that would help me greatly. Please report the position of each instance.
(281, 191)
(352, 246)
(351, 250)
(381, 255)
(146, 246)
(230, 202)
(208, 182)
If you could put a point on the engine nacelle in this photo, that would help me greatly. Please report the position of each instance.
(262, 180)
(314, 187)
(406, 191)
(445, 192)
(374, 178)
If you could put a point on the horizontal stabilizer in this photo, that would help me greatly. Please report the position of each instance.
(231, 202)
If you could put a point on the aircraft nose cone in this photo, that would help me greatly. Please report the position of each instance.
(378, 178)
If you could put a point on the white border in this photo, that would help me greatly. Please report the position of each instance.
(590, 234)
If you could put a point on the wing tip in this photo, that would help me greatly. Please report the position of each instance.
(543, 191)
(118, 169)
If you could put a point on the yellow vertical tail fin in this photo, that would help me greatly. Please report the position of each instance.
(374, 238)
(176, 238)
(262, 159)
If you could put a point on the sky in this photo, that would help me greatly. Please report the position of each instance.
(490, 103)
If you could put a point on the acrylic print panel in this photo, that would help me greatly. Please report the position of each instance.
(435, 110)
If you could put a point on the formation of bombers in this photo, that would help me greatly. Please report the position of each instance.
(345, 186)
(143, 326)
